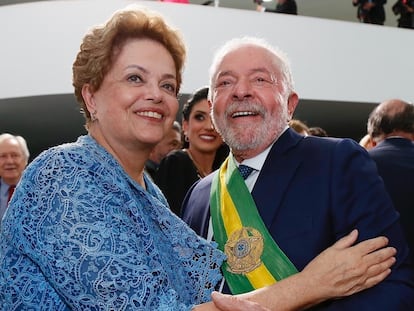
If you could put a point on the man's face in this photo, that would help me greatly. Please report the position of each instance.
(12, 161)
(250, 108)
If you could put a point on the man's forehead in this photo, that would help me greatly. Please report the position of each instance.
(252, 60)
(10, 142)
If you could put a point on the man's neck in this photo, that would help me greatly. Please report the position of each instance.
(10, 182)
(400, 134)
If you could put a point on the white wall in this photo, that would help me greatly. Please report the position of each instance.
(331, 60)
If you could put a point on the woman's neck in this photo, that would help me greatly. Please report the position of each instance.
(202, 161)
(132, 158)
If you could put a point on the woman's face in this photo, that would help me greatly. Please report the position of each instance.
(199, 129)
(136, 103)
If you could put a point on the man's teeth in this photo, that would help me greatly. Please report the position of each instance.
(243, 113)
(151, 114)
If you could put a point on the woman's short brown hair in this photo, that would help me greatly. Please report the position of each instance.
(101, 46)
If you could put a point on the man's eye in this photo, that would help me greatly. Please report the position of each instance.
(224, 83)
(259, 80)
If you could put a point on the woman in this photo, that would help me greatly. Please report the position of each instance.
(85, 220)
(86, 229)
(203, 153)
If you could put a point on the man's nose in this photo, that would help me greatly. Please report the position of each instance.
(242, 89)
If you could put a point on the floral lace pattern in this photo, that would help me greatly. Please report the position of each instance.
(79, 234)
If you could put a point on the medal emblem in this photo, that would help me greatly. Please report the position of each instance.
(243, 250)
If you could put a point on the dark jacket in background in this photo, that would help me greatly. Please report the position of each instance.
(395, 162)
(289, 7)
(406, 18)
(374, 16)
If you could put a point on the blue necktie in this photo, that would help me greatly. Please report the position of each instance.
(245, 170)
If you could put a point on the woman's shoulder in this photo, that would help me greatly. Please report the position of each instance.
(76, 152)
(176, 157)
(180, 154)
(176, 162)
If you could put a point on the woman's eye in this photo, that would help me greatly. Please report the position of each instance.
(199, 117)
(134, 78)
(170, 87)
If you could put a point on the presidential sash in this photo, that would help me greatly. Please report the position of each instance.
(254, 260)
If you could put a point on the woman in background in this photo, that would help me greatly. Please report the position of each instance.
(203, 152)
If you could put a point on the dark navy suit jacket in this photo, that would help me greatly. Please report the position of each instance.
(395, 161)
(312, 191)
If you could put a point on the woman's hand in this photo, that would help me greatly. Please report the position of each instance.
(235, 303)
(343, 269)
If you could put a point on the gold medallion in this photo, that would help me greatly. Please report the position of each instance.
(243, 250)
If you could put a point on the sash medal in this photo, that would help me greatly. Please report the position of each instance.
(254, 260)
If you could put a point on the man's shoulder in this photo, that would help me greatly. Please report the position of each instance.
(328, 143)
(196, 205)
(205, 183)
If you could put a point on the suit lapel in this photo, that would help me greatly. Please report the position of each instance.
(277, 172)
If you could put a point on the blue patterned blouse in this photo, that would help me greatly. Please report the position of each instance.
(79, 234)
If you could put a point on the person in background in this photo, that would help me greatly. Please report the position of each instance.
(370, 11)
(14, 157)
(317, 131)
(405, 9)
(171, 141)
(282, 6)
(281, 197)
(203, 152)
(391, 126)
(87, 229)
(299, 126)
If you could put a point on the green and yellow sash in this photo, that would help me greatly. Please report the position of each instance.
(254, 260)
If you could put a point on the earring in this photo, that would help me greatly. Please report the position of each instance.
(93, 116)
(186, 138)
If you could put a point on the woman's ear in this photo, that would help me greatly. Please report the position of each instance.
(88, 97)
(184, 126)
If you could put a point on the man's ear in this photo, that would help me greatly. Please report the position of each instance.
(293, 101)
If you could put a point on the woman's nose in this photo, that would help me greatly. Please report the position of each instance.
(154, 93)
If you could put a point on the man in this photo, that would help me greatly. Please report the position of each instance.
(405, 9)
(170, 142)
(370, 11)
(282, 6)
(14, 156)
(391, 126)
(304, 193)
